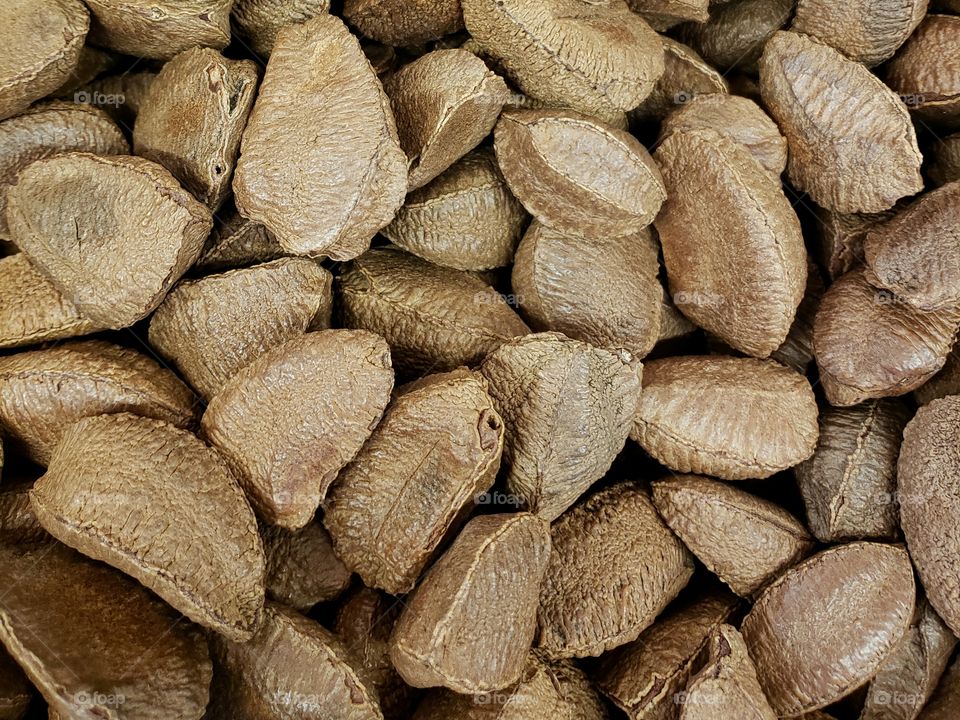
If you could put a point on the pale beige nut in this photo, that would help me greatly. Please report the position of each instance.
(946, 382)
(732, 245)
(192, 119)
(434, 318)
(849, 161)
(325, 173)
(864, 31)
(663, 14)
(87, 636)
(849, 485)
(733, 418)
(943, 704)
(42, 43)
(290, 420)
(602, 290)
(155, 502)
(259, 22)
(686, 76)
(871, 344)
(825, 627)
(446, 102)
(466, 218)
(302, 568)
(211, 328)
(839, 238)
(744, 540)
(404, 22)
(48, 129)
(43, 392)
(414, 481)
(293, 668)
(797, 350)
(736, 32)
(614, 566)
(120, 96)
(236, 242)
(557, 164)
(567, 408)
(113, 234)
(159, 28)
(476, 604)
(593, 57)
(944, 164)
(926, 71)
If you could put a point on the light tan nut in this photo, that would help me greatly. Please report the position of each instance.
(259, 22)
(404, 22)
(736, 32)
(687, 75)
(926, 71)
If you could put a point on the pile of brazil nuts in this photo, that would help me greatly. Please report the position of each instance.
(479, 359)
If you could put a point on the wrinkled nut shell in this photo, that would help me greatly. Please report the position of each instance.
(236, 242)
(840, 236)
(404, 22)
(946, 382)
(302, 568)
(945, 162)
(736, 32)
(926, 70)
(260, 21)
(943, 704)
(686, 76)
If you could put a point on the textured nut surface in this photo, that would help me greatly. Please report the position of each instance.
(686, 76)
(558, 163)
(302, 569)
(43, 392)
(113, 234)
(446, 102)
(470, 623)
(404, 22)
(237, 242)
(466, 218)
(734, 418)
(290, 420)
(869, 344)
(736, 32)
(192, 118)
(567, 408)
(85, 634)
(926, 70)
(849, 485)
(945, 164)
(943, 704)
(594, 57)
(434, 318)
(797, 350)
(260, 21)
(732, 244)
(437, 448)
(602, 290)
(662, 14)
(325, 173)
(840, 236)
(849, 161)
(612, 545)
(744, 540)
(825, 626)
(212, 327)
(132, 87)
(116, 486)
(946, 382)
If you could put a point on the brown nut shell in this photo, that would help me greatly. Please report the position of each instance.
(260, 21)
(943, 704)
(302, 568)
(124, 95)
(736, 32)
(404, 22)
(840, 236)
(686, 76)
(663, 14)
(944, 160)
(926, 71)
(236, 242)
(797, 350)
(946, 382)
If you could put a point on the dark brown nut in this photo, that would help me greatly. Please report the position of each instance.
(739, 119)
(302, 569)
(120, 96)
(567, 408)
(446, 102)
(97, 644)
(864, 31)
(909, 675)
(404, 22)
(849, 485)
(644, 678)
(736, 33)
(734, 418)
(192, 119)
(43, 392)
(592, 57)
(42, 44)
(159, 28)
(915, 255)
(553, 160)
(237, 242)
(943, 704)
(724, 210)
(434, 318)
(290, 420)
(870, 344)
(477, 602)
(840, 236)
(929, 503)
(945, 162)
(825, 627)
(926, 71)
(744, 540)
(686, 76)
(727, 686)
(383, 58)
(212, 327)
(860, 162)
(91, 63)
(113, 234)
(613, 568)
(259, 22)
(600, 290)
(32, 310)
(293, 668)
(115, 487)
(16, 692)
(663, 14)
(415, 480)
(48, 129)
(548, 690)
(325, 173)
(946, 382)
(465, 219)
(18, 522)
(797, 350)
